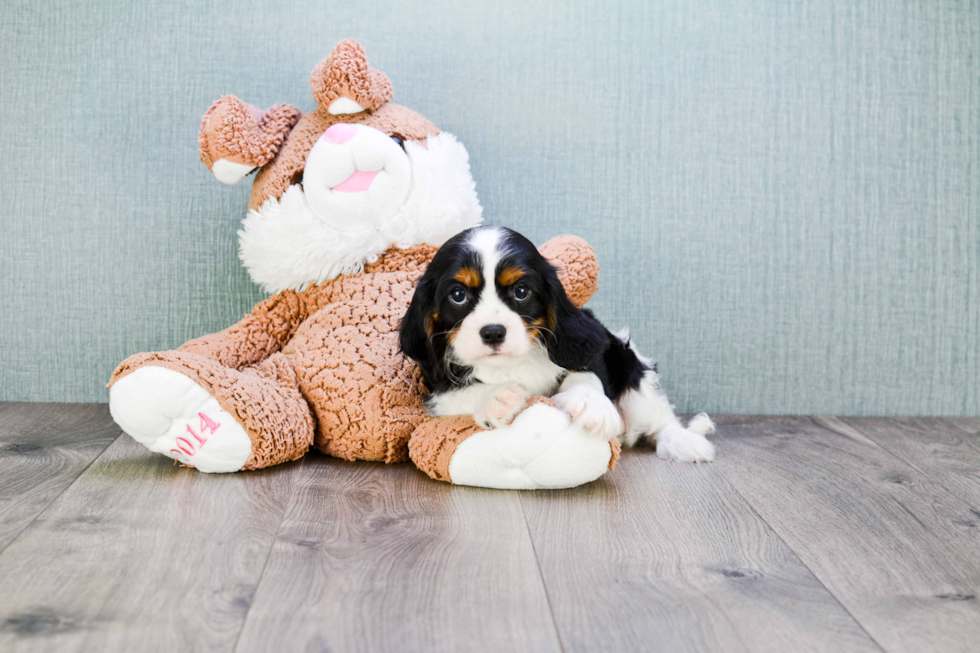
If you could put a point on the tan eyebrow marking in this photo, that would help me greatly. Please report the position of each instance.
(468, 277)
(509, 276)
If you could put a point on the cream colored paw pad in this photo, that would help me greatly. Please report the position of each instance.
(168, 413)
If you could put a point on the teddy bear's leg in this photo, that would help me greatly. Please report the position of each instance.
(215, 418)
(540, 449)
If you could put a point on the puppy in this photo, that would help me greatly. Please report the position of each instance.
(490, 325)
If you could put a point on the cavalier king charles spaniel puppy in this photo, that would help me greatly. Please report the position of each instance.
(490, 325)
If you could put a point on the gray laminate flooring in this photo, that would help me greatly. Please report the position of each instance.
(807, 534)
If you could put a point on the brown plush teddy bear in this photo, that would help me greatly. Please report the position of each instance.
(349, 205)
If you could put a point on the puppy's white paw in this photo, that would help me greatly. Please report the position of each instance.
(701, 424)
(592, 410)
(675, 442)
(506, 400)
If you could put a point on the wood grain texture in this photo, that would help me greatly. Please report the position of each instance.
(667, 557)
(381, 558)
(43, 448)
(141, 555)
(945, 450)
(898, 550)
(807, 534)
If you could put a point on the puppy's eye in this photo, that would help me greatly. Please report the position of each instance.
(399, 141)
(521, 292)
(457, 296)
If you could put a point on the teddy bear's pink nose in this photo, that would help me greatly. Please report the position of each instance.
(340, 133)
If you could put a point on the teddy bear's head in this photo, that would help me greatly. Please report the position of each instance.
(341, 184)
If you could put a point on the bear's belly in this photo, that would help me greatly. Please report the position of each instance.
(367, 396)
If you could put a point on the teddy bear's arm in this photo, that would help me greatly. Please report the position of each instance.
(539, 449)
(255, 337)
(235, 137)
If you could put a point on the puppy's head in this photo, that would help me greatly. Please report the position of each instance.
(489, 296)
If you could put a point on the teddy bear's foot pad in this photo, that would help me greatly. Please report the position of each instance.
(168, 413)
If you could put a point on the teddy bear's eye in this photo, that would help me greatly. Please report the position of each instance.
(399, 141)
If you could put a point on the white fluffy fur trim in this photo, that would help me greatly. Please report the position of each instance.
(284, 244)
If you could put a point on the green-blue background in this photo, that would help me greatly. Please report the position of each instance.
(785, 196)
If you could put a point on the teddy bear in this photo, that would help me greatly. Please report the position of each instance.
(349, 203)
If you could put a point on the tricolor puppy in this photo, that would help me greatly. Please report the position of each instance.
(490, 324)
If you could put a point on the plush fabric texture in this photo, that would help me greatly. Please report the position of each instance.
(319, 362)
(617, 449)
(368, 398)
(170, 413)
(264, 398)
(326, 360)
(574, 259)
(346, 73)
(241, 133)
(284, 243)
(433, 444)
(287, 168)
(540, 449)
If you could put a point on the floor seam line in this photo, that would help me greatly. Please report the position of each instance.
(927, 475)
(797, 555)
(265, 563)
(60, 494)
(537, 564)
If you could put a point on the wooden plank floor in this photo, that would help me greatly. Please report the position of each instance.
(817, 534)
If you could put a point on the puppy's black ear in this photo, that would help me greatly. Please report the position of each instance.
(414, 336)
(578, 337)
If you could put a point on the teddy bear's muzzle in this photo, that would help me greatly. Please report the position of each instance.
(356, 178)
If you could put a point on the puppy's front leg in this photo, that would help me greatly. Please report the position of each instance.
(502, 405)
(492, 405)
(582, 397)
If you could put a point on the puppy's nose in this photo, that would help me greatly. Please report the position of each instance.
(493, 334)
(340, 133)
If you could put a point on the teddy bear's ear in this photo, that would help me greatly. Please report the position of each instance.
(236, 138)
(577, 266)
(344, 83)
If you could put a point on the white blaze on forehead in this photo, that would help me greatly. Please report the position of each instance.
(485, 242)
(488, 243)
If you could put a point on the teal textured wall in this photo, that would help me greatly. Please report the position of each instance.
(785, 196)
